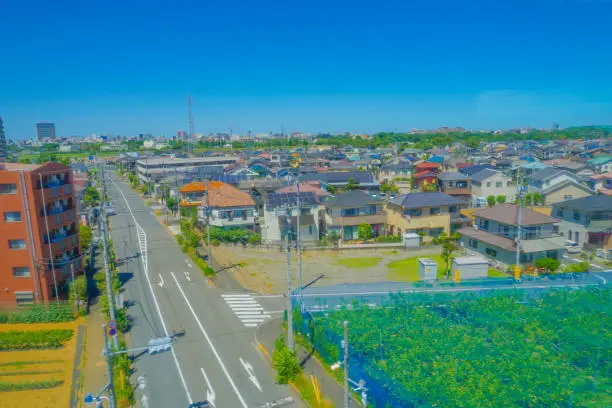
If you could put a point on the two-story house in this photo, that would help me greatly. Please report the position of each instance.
(556, 185)
(495, 233)
(280, 217)
(601, 163)
(489, 182)
(428, 213)
(397, 173)
(345, 212)
(228, 207)
(587, 221)
(455, 184)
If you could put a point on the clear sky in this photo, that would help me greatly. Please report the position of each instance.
(124, 67)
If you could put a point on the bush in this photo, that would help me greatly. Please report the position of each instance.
(549, 264)
(577, 267)
(389, 238)
(51, 313)
(254, 239)
(215, 242)
(285, 362)
(39, 339)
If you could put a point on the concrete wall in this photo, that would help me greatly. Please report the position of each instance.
(559, 195)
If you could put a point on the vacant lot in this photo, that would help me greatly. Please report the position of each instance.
(40, 368)
(265, 270)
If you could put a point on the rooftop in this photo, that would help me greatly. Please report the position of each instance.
(508, 214)
(452, 176)
(186, 161)
(484, 174)
(588, 204)
(418, 200)
(355, 198)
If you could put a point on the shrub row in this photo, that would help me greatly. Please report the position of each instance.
(29, 385)
(390, 238)
(51, 313)
(39, 339)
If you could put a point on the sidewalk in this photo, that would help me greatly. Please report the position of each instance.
(265, 336)
(95, 362)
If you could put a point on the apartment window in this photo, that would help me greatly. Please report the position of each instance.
(23, 298)
(12, 216)
(434, 210)
(576, 216)
(21, 272)
(473, 244)
(17, 244)
(499, 184)
(8, 188)
(491, 252)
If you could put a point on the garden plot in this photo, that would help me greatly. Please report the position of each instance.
(36, 364)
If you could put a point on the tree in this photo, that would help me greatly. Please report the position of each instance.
(364, 231)
(351, 184)
(550, 265)
(172, 203)
(91, 197)
(331, 189)
(284, 361)
(448, 249)
(86, 237)
(501, 199)
(25, 160)
(491, 200)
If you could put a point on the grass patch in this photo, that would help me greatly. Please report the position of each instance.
(494, 273)
(310, 392)
(24, 363)
(39, 339)
(29, 385)
(359, 263)
(12, 373)
(407, 270)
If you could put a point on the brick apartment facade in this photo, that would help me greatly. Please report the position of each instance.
(38, 224)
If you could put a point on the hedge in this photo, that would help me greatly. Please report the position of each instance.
(39, 339)
(29, 385)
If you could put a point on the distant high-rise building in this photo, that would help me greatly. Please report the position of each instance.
(555, 126)
(3, 147)
(45, 130)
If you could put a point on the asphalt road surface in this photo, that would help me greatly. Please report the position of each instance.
(216, 357)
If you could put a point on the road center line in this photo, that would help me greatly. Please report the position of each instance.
(212, 347)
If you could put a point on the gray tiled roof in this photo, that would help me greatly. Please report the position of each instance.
(356, 198)
(484, 174)
(589, 204)
(417, 200)
(452, 176)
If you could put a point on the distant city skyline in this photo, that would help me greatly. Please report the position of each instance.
(312, 67)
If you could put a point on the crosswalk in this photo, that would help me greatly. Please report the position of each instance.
(247, 309)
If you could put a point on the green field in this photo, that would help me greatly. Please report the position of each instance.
(407, 270)
(507, 349)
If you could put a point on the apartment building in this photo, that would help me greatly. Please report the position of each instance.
(153, 169)
(39, 235)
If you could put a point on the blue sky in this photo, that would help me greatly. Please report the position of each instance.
(124, 67)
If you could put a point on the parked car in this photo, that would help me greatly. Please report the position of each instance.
(603, 253)
(572, 247)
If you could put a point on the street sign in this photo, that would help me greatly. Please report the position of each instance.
(112, 331)
(160, 344)
(89, 398)
(112, 324)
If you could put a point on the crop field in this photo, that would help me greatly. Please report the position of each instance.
(36, 364)
(518, 349)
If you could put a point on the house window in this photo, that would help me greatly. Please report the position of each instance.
(17, 244)
(499, 184)
(491, 252)
(372, 210)
(577, 237)
(310, 230)
(488, 184)
(568, 197)
(350, 212)
(8, 188)
(473, 244)
(508, 183)
(414, 212)
(576, 216)
(12, 216)
(434, 210)
(484, 224)
(560, 212)
(23, 298)
(452, 209)
(21, 272)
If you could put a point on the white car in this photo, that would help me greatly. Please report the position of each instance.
(572, 247)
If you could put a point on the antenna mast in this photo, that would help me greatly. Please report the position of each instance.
(187, 145)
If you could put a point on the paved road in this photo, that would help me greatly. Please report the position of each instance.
(216, 357)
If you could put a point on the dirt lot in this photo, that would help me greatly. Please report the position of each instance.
(38, 365)
(265, 270)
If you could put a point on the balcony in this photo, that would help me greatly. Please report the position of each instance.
(232, 222)
(457, 190)
(63, 268)
(373, 219)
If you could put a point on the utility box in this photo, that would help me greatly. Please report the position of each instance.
(470, 267)
(411, 240)
(428, 269)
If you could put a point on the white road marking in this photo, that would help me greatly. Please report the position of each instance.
(247, 309)
(161, 281)
(249, 369)
(210, 393)
(603, 280)
(144, 260)
(212, 347)
(187, 276)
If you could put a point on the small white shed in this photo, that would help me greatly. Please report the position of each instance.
(411, 240)
(428, 269)
(470, 267)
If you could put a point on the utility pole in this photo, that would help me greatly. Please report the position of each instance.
(346, 373)
(517, 267)
(299, 238)
(107, 271)
(76, 298)
(109, 362)
(207, 209)
(290, 340)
